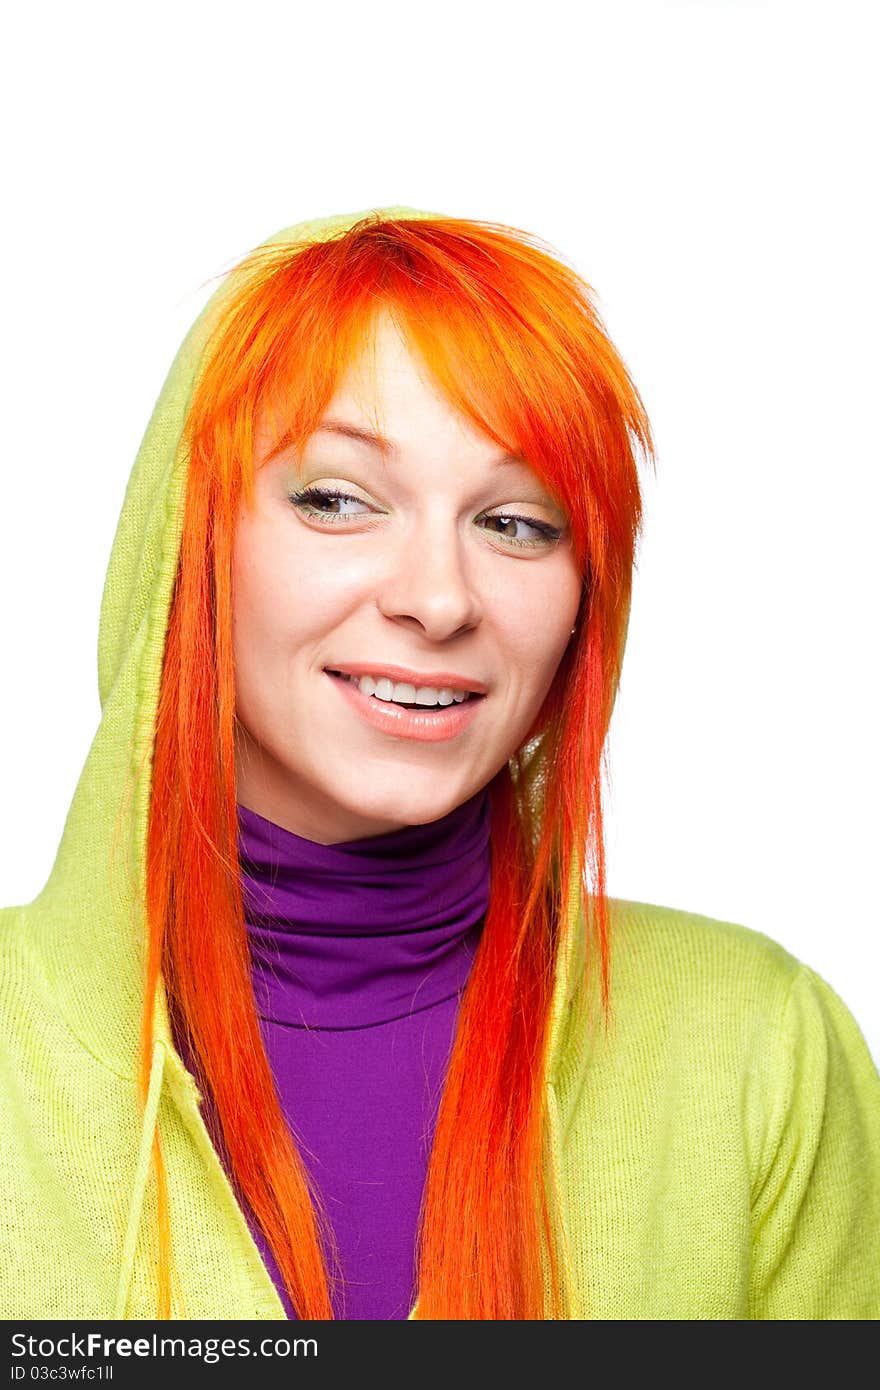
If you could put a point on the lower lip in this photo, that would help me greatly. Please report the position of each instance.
(408, 723)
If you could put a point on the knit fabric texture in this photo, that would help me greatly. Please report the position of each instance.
(714, 1154)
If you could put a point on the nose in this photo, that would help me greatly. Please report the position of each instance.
(427, 582)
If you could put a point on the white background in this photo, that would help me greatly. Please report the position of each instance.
(710, 168)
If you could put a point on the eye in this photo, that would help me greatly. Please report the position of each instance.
(315, 500)
(319, 503)
(547, 535)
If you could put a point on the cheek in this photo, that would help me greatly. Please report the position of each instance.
(260, 602)
(267, 611)
(286, 600)
(538, 618)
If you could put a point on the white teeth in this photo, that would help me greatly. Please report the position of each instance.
(402, 692)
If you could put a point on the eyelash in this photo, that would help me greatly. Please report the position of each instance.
(309, 495)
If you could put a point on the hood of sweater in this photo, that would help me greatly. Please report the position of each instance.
(87, 924)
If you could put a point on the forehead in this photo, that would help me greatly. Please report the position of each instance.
(386, 409)
(389, 386)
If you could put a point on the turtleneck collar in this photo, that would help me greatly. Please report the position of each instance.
(359, 933)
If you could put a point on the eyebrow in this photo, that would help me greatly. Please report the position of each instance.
(387, 446)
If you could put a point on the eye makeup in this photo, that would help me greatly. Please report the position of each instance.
(311, 500)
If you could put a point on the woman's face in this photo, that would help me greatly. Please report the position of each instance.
(420, 566)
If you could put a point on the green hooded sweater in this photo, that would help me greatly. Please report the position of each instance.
(715, 1155)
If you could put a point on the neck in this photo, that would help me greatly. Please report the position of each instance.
(353, 934)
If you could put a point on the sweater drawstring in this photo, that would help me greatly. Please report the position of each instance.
(136, 1202)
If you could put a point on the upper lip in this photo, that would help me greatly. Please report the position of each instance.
(439, 680)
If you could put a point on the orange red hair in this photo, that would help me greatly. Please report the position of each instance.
(511, 336)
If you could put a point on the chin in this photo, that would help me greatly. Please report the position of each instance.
(395, 810)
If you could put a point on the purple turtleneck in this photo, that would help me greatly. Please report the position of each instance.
(360, 952)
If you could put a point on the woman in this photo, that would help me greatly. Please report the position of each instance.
(324, 1011)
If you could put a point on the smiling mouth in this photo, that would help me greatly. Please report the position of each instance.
(429, 724)
(433, 708)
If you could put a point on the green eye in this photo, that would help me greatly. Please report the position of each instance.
(547, 534)
(309, 498)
